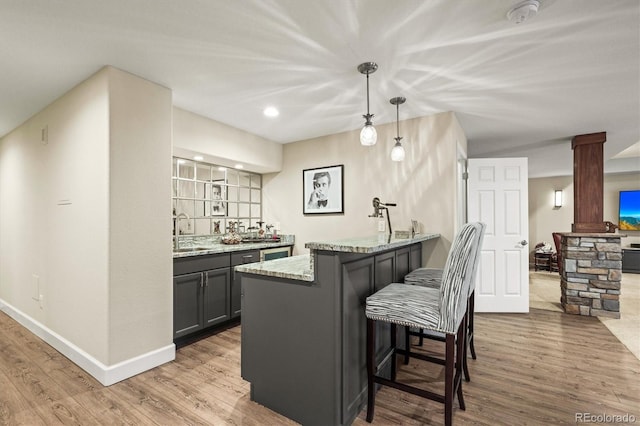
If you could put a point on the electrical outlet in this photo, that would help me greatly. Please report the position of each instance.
(381, 226)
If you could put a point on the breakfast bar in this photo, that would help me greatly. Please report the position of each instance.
(304, 328)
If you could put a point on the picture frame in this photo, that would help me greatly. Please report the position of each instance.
(323, 190)
(215, 194)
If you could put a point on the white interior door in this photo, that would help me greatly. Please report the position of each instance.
(498, 196)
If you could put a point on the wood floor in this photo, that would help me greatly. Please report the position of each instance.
(536, 369)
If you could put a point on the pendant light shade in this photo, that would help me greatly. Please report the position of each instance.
(368, 134)
(397, 153)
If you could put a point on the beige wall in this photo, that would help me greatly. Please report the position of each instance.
(423, 186)
(77, 213)
(223, 144)
(140, 246)
(54, 216)
(544, 219)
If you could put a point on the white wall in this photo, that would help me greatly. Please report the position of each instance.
(223, 144)
(423, 186)
(544, 219)
(77, 213)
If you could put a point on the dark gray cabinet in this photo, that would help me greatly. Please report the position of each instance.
(201, 292)
(205, 290)
(187, 304)
(240, 258)
(215, 299)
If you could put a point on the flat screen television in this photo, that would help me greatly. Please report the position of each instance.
(629, 217)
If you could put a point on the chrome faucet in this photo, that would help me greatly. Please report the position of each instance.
(177, 236)
(377, 210)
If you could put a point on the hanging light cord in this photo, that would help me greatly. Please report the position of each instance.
(368, 116)
(398, 123)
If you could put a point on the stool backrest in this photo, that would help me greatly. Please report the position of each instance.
(476, 257)
(457, 276)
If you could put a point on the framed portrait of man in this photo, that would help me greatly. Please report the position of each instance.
(323, 190)
(215, 196)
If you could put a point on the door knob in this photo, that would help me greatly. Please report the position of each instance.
(523, 243)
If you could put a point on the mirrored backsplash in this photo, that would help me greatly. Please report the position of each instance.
(207, 199)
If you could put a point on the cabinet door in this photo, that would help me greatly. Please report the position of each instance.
(187, 304)
(403, 264)
(241, 258)
(216, 296)
(357, 277)
(385, 272)
(416, 256)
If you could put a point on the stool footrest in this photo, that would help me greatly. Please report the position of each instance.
(422, 357)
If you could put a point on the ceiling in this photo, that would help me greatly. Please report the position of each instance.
(517, 89)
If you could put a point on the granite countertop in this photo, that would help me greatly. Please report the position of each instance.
(371, 244)
(215, 248)
(302, 267)
(294, 267)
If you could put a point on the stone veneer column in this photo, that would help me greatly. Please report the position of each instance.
(592, 274)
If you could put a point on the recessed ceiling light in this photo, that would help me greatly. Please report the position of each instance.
(271, 111)
(198, 158)
(222, 169)
(239, 166)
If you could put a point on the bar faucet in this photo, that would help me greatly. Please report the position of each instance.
(177, 235)
(378, 206)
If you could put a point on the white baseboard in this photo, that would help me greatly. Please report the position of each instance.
(107, 375)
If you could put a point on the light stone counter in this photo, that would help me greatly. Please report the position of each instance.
(368, 245)
(199, 249)
(294, 268)
(302, 267)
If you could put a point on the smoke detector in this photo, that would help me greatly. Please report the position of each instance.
(523, 11)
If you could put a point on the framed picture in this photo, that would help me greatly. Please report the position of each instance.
(215, 194)
(323, 190)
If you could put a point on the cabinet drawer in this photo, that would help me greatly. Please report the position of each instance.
(187, 265)
(245, 257)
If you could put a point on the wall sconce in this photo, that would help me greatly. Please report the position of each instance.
(557, 198)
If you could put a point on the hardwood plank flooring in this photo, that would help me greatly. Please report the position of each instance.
(539, 368)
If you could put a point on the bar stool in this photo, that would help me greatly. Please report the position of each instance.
(432, 277)
(442, 310)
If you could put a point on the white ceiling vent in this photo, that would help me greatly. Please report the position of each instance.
(523, 11)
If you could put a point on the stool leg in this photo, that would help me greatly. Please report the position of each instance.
(393, 348)
(371, 354)
(463, 348)
(461, 358)
(407, 344)
(421, 339)
(448, 378)
(471, 310)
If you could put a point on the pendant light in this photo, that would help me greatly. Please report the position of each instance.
(368, 134)
(397, 153)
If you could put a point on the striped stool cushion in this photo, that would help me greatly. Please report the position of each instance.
(427, 277)
(401, 304)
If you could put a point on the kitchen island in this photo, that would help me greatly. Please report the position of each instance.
(304, 328)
